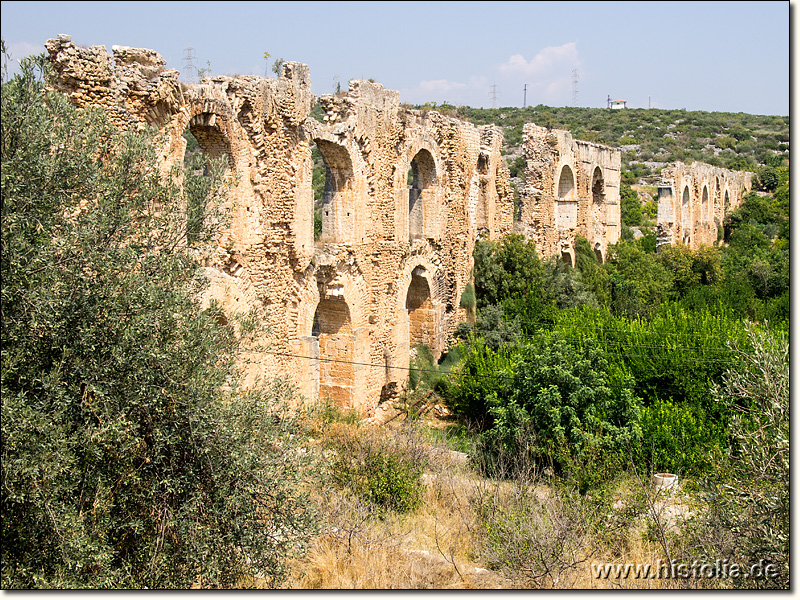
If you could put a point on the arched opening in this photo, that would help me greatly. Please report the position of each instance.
(727, 203)
(598, 252)
(704, 206)
(686, 214)
(334, 210)
(566, 257)
(566, 184)
(421, 175)
(566, 206)
(334, 332)
(211, 142)
(598, 186)
(206, 160)
(421, 315)
(482, 208)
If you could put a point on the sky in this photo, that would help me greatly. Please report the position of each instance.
(709, 56)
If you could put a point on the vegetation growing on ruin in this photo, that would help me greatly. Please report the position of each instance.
(130, 456)
(649, 138)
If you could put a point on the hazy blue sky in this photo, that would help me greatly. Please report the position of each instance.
(713, 56)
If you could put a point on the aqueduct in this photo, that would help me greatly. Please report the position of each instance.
(693, 201)
(571, 188)
(406, 196)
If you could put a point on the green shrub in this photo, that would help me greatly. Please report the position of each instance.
(561, 393)
(130, 457)
(468, 300)
(679, 439)
(383, 468)
(506, 269)
(482, 376)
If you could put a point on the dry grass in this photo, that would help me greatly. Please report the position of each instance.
(441, 544)
(430, 548)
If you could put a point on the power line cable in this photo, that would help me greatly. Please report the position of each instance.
(495, 377)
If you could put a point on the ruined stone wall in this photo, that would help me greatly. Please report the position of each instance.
(693, 201)
(571, 188)
(407, 195)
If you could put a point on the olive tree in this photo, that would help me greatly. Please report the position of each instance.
(130, 458)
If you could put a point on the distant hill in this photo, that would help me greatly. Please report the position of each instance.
(648, 138)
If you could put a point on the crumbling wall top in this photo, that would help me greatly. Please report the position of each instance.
(125, 55)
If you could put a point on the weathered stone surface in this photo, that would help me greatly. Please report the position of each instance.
(393, 258)
(407, 195)
(571, 188)
(693, 201)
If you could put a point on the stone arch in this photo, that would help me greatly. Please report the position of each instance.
(686, 214)
(338, 202)
(704, 214)
(566, 184)
(420, 146)
(568, 255)
(418, 303)
(213, 140)
(566, 199)
(205, 140)
(597, 207)
(419, 306)
(212, 123)
(331, 338)
(333, 329)
(598, 186)
(598, 253)
(421, 178)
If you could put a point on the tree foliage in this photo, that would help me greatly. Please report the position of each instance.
(507, 269)
(564, 393)
(130, 457)
(747, 518)
(630, 207)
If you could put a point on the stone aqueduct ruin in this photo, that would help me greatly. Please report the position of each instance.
(694, 199)
(407, 194)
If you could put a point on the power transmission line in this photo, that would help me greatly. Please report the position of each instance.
(190, 69)
(575, 87)
(493, 377)
(493, 94)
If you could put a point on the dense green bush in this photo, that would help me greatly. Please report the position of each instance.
(676, 439)
(130, 458)
(562, 393)
(507, 269)
(383, 469)
(483, 375)
(630, 206)
(638, 282)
